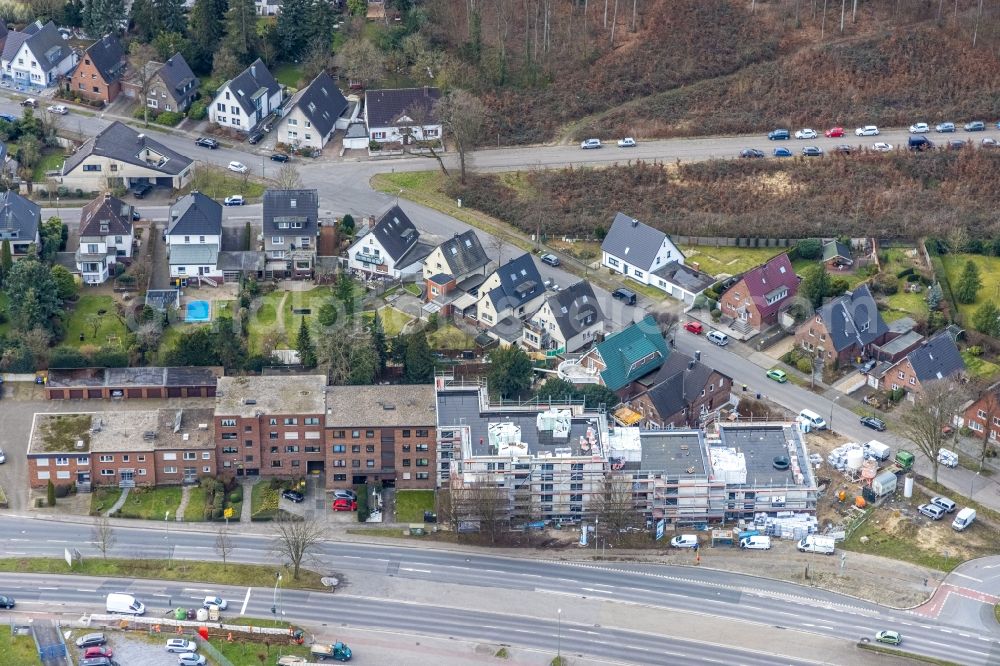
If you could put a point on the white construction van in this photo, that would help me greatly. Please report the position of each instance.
(756, 543)
(124, 604)
(963, 519)
(814, 420)
(877, 450)
(815, 543)
(948, 458)
(684, 541)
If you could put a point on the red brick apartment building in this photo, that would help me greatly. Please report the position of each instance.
(121, 448)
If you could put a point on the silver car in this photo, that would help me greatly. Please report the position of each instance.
(932, 511)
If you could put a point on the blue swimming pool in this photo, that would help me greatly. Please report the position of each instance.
(198, 311)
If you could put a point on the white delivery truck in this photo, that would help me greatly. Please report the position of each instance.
(877, 450)
(948, 458)
(814, 543)
(963, 519)
(124, 604)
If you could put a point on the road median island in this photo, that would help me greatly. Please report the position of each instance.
(254, 575)
(865, 644)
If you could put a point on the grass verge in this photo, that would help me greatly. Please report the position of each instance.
(411, 504)
(256, 575)
(882, 649)
(891, 545)
(18, 649)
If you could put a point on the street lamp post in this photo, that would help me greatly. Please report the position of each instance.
(274, 597)
(559, 636)
(832, 405)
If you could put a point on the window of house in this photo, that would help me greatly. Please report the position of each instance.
(292, 449)
(369, 463)
(423, 476)
(422, 433)
(272, 435)
(291, 421)
(981, 414)
(107, 458)
(355, 463)
(406, 448)
(406, 462)
(338, 434)
(355, 448)
(312, 420)
(422, 462)
(169, 470)
(275, 463)
(340, 477)
(913, 381)
(274, 449)
(423, 447)
(406, 433)
(369, 448)
(339, 448)
(369, 434)
(355, 434)
(901, 375)
(340, 463)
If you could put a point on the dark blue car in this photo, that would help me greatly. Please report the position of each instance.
(777, 135)
(782, 152)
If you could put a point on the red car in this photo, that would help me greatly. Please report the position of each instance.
(835, 132)
(93, 652)
(694, 327)
(342, 504)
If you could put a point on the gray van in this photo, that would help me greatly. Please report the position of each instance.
(718, 338)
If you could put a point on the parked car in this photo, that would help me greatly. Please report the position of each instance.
(782, 152)
(58, 109)
(181, 645)
(234, 200)
(920, 128)
(91, 640)
(627, 142)
(280, 157)
(590, 143)
(955, 144)
(751, 153)
(550, 259)
(843, 149)
(7, 602)
(890, 637)
(684, 541)
(30, 103)
(812, 151)
(98, 661)
(945, 503)
(255, 138)
(623, 294)
(238, 167)
(975, 126)
(777, 135)
(806, 134)
(932, 511)
(834, 132)
(867, 130)
(3, 459)
(882, 147)
(919, 143)
(94, 652)
(206, 142)
(777, 375)
(944, 127)
(139, 190)
(694, 327)
(873, 423)
(990, 142)
(215, 601)
(293, 496)
(344, 504)
(191, 659)
(346, 494)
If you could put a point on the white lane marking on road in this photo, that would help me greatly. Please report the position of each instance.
(415, 570)
(590, 589)
(246, 600)
(48, 588)
(955, 573)
(80, 589)
(56, 541)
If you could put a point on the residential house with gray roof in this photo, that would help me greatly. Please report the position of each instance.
(194, 237)
(390, 247)
(936, 359)
(568, 320)
(243, 102)
(845, 329)
(106, 238)
(460, 256)
(513, 291)
(171, 85)
(312, 113)
(290, 229)
(637, 250)
(37, 57)
(20, 223)
(121, 156)
(98, 75)
(402, 115)
(682, 394)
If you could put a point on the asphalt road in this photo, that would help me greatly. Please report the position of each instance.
(713, 595)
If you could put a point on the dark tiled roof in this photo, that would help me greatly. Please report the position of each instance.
(632, 353)
(575, 308)
(106, 215)
(385, 108)
(633, 241)
(418, 252)
(938, 358)
(685, 277)
(177, 77)
(48, 46)
(195, 215)
(108, 57)
(678, 383)
(13, 44)
(321, 102)
(120, 142)
(769, 278)
(520, 282)
(464, 253)
(293, 206)
(19, 217)
(252, 82)
(833, 249)
(395, 232)
(853, 319)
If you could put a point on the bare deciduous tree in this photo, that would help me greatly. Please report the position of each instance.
(927, 421)
(288, 177)
(362, 61)
(140, 61)
(485, 502)
(616, 507)
(462, 114)
(104, 535)
(295, 540)
(224, 545)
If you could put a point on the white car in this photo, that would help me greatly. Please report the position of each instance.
(881, 147)
(3, 457)
(58, 109)
(234, 200)
(215, 601)
(181, 645)
(806, 134)
(191, 659)
(590, 143)
(920, 128)
(867, 130)
(627, 142)
(238, 167)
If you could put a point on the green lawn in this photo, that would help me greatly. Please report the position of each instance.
(730, 260)
(895, 547)
(19, 649)
(109, 325)
(448, 336)
(151, 503)
(244, 651)
(195, 510)
(989, 272)
(393, 320)
(413, 289)
(103, 498)
(264, 501)
(411, 504)
(51, 161)
(904, 304)
(288, 74)
(978, 367)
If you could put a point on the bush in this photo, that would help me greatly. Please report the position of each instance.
(885, 284)
(217, 514)
(62, 490)
(169, 118)
(198, 111)
(236, 496)
(905, 272)
(975, 350)
(809, 248)
(716, 315)
(804, 364)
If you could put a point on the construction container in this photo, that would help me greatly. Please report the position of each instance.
(884, 484)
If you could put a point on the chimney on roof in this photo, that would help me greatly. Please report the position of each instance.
(107, 195)
(253, 71)
(141, 137)
(635, 223)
